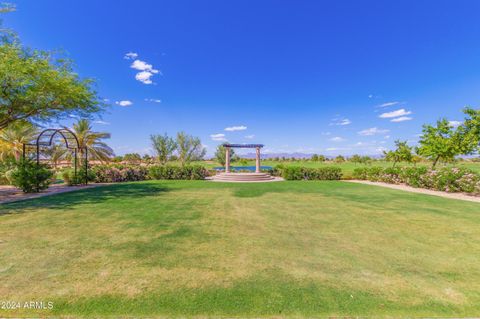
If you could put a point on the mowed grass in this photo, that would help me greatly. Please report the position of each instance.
(196, 248)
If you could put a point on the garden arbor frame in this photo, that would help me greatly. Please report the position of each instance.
(257, 148)
(45, 138)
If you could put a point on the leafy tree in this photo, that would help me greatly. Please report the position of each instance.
(402, 153)
(220, 155)
(189, 148)
(356, 159)
(440, 142)
(13, 138)
(322, 158)
(314, 158)
(36, 86)
(132, 158)
(97, 149)
(339, 159)
(163, 146)
(469, 132)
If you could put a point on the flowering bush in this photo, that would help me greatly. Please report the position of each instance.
(119, 173)
(444, 179)
(305, 173)
(189, 172)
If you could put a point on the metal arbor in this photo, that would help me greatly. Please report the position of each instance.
(46, 138)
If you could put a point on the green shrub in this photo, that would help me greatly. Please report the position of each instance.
(119, 173)
(294, 173)
(70, 179)
(30, 176)
(188, 172)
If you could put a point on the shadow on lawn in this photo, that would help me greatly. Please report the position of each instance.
(87, 196)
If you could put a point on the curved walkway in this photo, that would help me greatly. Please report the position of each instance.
(460, 196)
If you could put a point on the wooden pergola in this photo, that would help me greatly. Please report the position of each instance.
(257, 148)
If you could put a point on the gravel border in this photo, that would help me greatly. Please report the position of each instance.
(460, 196)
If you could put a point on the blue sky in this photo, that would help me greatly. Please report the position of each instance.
(329, 77)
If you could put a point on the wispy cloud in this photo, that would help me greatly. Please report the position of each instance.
(387, 104)
(337, 139)
(130, 56)
(340, 121)
(373, 131)
(153, 100)
(124, 103)
(401, 119)
(396, 113)
(101, 122)
(249, 137)
(236, 128)
(218, 137)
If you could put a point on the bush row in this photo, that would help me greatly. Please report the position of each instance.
(293, 173)
(449, 179)
(131, 173)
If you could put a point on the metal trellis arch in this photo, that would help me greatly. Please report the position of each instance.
(45, 138)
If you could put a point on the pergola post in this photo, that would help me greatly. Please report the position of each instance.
(257, 160)
(227, 159)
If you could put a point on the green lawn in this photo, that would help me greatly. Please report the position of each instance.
(196, 248)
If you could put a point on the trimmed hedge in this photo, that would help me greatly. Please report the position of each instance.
(189, 172)
(294, 173)
(448, 179)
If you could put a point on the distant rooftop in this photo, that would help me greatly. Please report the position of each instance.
(243, 145)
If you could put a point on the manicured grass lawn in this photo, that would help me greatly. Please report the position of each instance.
(196, 248)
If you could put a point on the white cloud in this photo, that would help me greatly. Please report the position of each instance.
(400, 112)
(73, 116)
(341, 122)
(389, 104)
(101, 122)
(386, 137)
(218, 137)
(124, 103)
(106, 100)
(236, 128)
(146, 71)
(153, 100)
(401, 119)
(454, 123)
(337, 139)
(326, 133)
(144, 77)
(249, 136)
(130, 56)
(373, 131)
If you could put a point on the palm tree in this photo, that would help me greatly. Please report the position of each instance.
(97, 150)
(56, 153)
(14, 136)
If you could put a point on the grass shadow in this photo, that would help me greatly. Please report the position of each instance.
(87, 196)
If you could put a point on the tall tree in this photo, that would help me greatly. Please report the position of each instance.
(14, 136)
(97, 149)
(55, 153)
(189, 148)
(221, 155)
(163, 146)
(469, 132)
(35, 86)
(440, 142)
(402, 153)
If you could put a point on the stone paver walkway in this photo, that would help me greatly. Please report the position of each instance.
(460, 196)
(10, 194)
